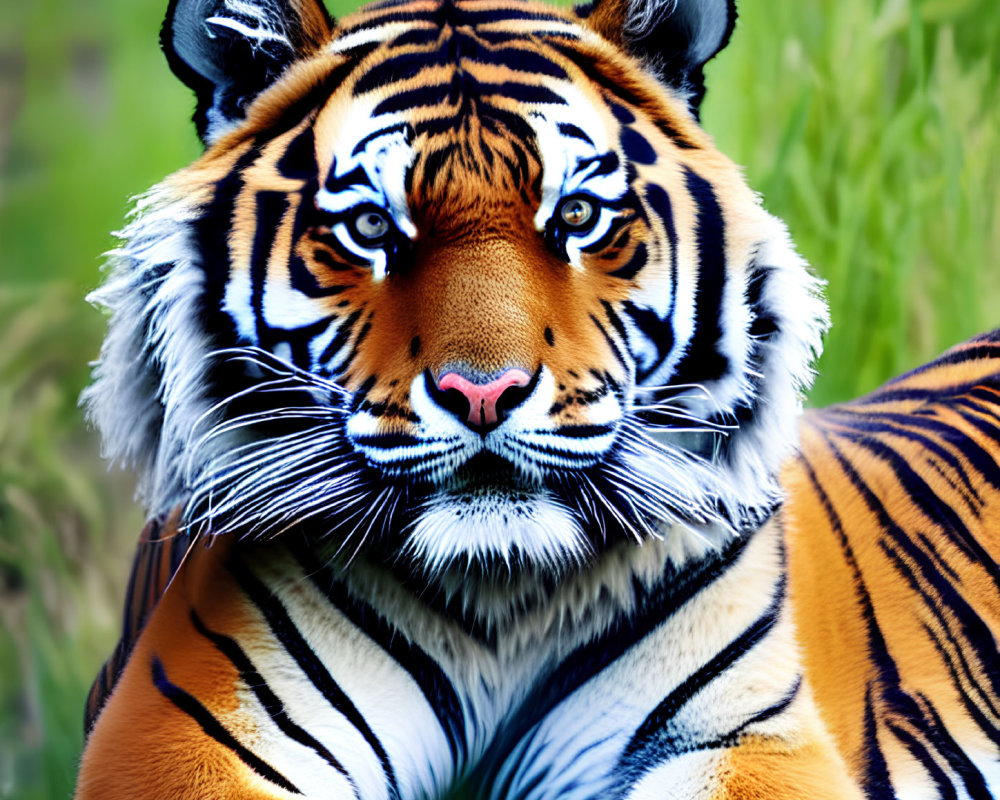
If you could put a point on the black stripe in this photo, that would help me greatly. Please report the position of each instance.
(435, 685)
(272, 704)
(299, 160)
(400, 66)
(344, 331)
(345, 365)
(653, 740)
(938, 734)
(568, 129)
(400, 127)
(270, 207)
(616, 351)
(920, 754)
(212, 229)
(355, 177)
(894, 701)
(653, 606)
(581, 431)
(883, 422)
(190, 706)
(592, 69)
(987, 351)
(875, 781)
(294, 642)
(301, 278)
(634, 265)
(606, 163)
(471, 15)
(419, 97)
(659, 330)
(876, 772)
(703, 361)
(636, 147)
(932, 506)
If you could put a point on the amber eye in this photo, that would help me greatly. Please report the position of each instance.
(577, 212)
(371, 226)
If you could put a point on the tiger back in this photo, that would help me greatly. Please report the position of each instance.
(459, 372)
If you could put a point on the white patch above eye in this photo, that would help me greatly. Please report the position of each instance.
(384, 156)
(565, 157)
(375, 33)
(380, 149)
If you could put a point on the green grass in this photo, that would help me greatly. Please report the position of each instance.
(873, 129)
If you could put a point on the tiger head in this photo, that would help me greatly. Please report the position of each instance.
(460, 280)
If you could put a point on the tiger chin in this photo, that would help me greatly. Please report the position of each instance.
(463, 378)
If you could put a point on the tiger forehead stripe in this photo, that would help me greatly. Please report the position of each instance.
(500, 16)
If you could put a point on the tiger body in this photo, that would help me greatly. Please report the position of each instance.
(460, 371)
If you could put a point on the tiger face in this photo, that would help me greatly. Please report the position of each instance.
(456, 280)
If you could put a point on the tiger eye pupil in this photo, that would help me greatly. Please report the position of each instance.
(577, 212)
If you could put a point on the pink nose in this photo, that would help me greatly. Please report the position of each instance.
(483, 398)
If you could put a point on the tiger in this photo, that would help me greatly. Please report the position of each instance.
(464, 377)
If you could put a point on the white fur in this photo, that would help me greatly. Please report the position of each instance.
(152, 293)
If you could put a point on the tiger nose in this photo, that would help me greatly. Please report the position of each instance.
(484, 404)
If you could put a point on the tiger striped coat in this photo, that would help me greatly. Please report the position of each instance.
(463, 377)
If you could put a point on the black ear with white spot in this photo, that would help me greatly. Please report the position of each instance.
(229, 51)
(673, 38)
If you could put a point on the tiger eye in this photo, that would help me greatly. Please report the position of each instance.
(577, 212)
(371, 225)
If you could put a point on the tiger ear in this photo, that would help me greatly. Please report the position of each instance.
(673, 38)
(229, 51)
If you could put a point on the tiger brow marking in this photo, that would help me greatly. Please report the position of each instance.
(591, 68)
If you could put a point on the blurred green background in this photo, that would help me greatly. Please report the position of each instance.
(872, 128)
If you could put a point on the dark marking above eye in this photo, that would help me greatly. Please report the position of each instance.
(568, 129)
(549, 337)
(606, 163)
(414, 346)
(622, 114)
(356, 177)
(636, 147)
(402, 127)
